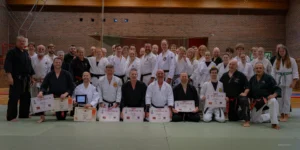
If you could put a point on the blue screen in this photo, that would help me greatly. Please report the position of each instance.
(80, 99)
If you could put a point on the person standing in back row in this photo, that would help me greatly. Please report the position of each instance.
(79, 65)
(19, 72)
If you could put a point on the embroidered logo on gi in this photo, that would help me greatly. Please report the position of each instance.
(115, 84)
(263, 82)
(165, 58)
(220, 90)
(236, 80)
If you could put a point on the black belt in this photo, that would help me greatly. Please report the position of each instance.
(97, 75)
(158, 106)
(166, 70)
(110, 104)
(121, 77)
(143, 75)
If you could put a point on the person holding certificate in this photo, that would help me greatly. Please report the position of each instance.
(59, 83)
(212, 87)
(159, 93)
(185, 92)
(263, 93)
(109, 88)
(85, 93)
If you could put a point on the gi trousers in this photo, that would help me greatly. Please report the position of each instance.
(192, 117)
(257, 116)
(238, 109)
(19, 90)
(285, 100)
(216, 112)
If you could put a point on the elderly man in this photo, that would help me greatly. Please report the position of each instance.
(19, 70)
(98, 64)
(133, 91)
(185, 92)
(216, 56)
(119, 63)
(165, 61)
(79, 65)
(142, 52)
(148, 62)
(210, 87)
(59, 83)
(159, 93)
(51, 52)
(236, 88)
(109, 88)
(263, 93)
(65, 66)
(41, 66)
(31, 50)
(155, 49)
(87, 89)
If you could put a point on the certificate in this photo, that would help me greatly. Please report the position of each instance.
(159, 114)
(133, 114)
(85, 114)
(109, 114)
(185, 106)
(63, 105)
(42, 104)
(215, 100)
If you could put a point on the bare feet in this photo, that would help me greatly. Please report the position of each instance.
(281, 119)
(14, 120)
(246, 124)
(275, 126)
(42, 119)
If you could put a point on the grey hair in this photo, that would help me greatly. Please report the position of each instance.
(20, 37)
(133, 69)
(257, 63)
(60, 52)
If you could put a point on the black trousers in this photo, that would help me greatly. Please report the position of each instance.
(19, 90)
(58, 115)
(234, 113)
(193, 117)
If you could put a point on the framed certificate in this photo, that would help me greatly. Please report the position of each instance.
(159, 114)
(85, 114)
(63, 105)
(109, 114)
(133, 114)
(42, 104)
(215, 100)
(81, 99)
(185, 106)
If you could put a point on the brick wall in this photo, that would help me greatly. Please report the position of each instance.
(4, 37)
(293, 28)
(64, 29)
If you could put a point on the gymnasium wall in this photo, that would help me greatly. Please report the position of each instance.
(64, 29)
(4, 25)
(293, 28)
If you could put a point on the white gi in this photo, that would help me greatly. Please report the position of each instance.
(201, 74)
(109, 92)
(109, 58)
(239, 59)
(119, 66)
(269, 115)
(247, 69)
(41, 68)
(180, 67)
(195, 65)
(208, 112)
(97, 70)
(51, 58)
(135, 64)
(33, 55)
(159, 97)
(222, 69)
(267, 64)
(147, 66)
(165, 62)
(90, 92)
(284, 78)
(202, 59)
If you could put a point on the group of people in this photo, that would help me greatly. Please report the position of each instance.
(256, 91)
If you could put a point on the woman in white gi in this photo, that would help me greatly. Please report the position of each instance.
(41, 66)
(109, 89)
(183, 64)
(285, 72)
(261, 58)
(245, 67)
(86, 88)
(148, 62)
(133, 62)
(191, 55)
(98, 65)
(254, 53)
(200, 53)
(210, 87)
(165, 61)
(223, 67)
(119, 63)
